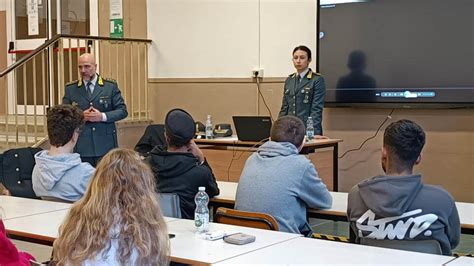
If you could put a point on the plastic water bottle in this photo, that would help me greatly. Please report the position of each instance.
(209, 132)
(309, 128)
(201, 214)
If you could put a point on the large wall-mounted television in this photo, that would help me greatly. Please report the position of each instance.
(397, 52)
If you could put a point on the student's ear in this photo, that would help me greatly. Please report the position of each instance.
(384, 160)
(384, 152)
(301, 145)
(418, 160)
(75, 136)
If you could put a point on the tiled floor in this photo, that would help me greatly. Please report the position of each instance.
(329, 227)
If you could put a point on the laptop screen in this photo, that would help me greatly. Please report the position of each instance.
(252, 128)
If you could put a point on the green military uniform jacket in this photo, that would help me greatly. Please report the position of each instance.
(97, 138)
(305, 98)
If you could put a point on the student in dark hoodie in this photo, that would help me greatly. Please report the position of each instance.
(397, 205)
(182, 168)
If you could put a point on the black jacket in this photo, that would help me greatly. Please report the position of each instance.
(181, 173)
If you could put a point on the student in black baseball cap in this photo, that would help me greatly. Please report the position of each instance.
(182, 168)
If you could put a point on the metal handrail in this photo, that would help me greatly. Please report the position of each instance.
(105, 38)
(25, 117)
(57, 37)
(29, 56)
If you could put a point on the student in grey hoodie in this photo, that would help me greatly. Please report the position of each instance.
(397, 205)
(277, 180)
(59, 173)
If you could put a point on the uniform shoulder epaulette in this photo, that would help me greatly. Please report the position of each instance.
(292, 74)
(72, 82)
(110, 80)
(316, 73)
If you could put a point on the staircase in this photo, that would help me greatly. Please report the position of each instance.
(37, 80)
(21, 131)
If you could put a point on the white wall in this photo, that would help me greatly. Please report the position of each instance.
(3, 5)
(227, 38)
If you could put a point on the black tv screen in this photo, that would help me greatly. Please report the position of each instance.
(397, 52)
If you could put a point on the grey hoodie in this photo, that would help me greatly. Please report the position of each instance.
(402, 207)
(63, 176)
(278, 181)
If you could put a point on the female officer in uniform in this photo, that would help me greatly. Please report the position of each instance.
(304, 91)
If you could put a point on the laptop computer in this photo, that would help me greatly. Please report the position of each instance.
(252, 128)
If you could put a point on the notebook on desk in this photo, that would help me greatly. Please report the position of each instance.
(252, 128)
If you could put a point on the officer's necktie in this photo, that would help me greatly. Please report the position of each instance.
(298, 79)
(89, 89)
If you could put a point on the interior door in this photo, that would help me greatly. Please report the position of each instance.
(32, 22)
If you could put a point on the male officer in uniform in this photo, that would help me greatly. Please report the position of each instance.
(102, 104)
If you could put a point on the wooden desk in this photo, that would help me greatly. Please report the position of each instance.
(466, 215)
(270, 246)
(228, 191)
(188, 247)
(233, 144)
(338, 211)
(14, 207)
(315, 251)
(41, 228)
(461, 261)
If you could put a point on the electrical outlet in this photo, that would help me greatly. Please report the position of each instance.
(257, 73)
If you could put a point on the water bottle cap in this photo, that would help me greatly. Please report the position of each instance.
(202, 188)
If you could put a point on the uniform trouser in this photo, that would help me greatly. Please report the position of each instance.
(92, 160)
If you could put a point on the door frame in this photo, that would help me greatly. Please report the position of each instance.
(31, 44)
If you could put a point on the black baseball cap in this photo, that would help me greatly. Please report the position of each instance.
(180, 126)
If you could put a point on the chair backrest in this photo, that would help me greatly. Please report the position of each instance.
(244, 218)
(17, 167)
(37, 263)
(425, 246)
(154, 135)
(56, 199)
(169, 203)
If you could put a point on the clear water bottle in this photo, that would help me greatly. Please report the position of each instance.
(201, 214)
(309, 128)
(209, 132)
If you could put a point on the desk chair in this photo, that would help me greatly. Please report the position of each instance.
(247, 219)
(169, 203)
(56, 199)
(36, 263)
(430, 246)
(16, 167)
(154, 135)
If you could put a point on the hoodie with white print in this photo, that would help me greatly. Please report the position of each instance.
(403, 208)
(62, 176)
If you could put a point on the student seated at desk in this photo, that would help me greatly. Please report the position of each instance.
(277, 180)
(59, 173)
(397, 205)
(118, 221)
(182, 168)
